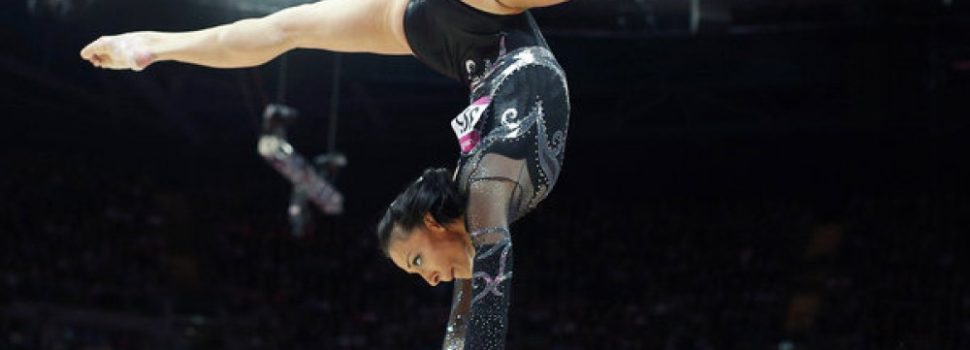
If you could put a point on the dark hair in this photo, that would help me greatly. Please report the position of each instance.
(433, 193)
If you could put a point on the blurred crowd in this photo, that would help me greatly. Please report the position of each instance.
(98, 258)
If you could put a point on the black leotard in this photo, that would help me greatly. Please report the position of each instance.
(519, 96)
(460, 41)
(512, 138)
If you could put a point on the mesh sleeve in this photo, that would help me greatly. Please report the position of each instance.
(458, 321)
(486, 296)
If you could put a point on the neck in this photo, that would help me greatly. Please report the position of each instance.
(458, 226)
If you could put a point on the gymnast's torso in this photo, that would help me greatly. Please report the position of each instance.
(515, 126)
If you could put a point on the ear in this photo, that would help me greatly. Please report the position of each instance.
(431, 223)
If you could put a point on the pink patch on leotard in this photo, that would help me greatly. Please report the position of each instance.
(465, 124)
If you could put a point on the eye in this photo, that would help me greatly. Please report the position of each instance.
(417, 261)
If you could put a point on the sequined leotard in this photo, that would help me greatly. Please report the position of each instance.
(512, 138)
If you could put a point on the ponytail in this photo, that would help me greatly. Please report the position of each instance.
(433, 193)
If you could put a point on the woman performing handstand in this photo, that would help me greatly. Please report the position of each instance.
(512, 136)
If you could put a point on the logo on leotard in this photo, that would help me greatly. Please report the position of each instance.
(464, 124)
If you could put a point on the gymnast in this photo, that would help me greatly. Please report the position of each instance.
(445, 226)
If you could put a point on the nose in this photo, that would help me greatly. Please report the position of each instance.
(433, 278)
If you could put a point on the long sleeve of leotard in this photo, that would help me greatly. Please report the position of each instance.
(479, 318)
(458, 321)
(491, 288)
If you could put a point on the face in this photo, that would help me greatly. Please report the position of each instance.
(436, 252)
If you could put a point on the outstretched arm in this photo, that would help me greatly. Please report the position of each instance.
(338, 25)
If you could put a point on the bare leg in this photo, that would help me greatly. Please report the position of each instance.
(375, 26)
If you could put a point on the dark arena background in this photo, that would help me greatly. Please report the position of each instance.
(758, 174)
